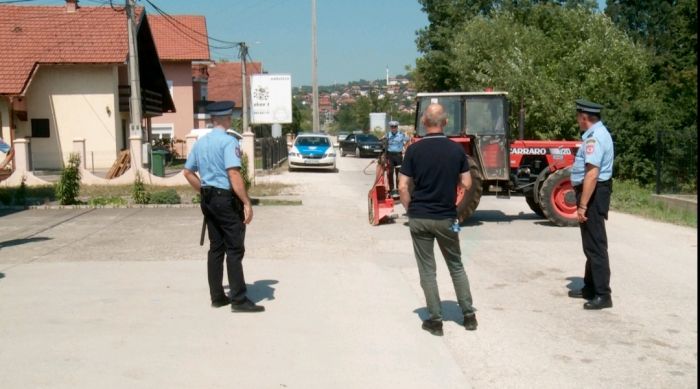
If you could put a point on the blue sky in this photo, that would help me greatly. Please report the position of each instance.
(356, 38)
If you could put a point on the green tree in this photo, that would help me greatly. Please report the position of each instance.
(668, 29)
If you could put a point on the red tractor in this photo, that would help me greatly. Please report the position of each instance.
(538, 170)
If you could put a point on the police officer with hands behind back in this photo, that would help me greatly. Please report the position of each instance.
(591, 177)
(395, 143)
(225, 205)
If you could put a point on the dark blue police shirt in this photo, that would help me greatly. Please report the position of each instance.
(435, 164)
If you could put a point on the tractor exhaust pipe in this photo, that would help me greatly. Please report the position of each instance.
(521, 119)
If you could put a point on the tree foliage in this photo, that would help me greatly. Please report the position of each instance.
(638, 61)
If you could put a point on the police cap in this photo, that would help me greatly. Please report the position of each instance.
(588, 107)
(220, 108)
(393, 123)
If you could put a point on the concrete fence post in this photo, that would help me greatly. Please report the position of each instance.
(249, 150)
(190, 140)
(21, 146)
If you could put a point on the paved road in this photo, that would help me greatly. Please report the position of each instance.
(118, 298)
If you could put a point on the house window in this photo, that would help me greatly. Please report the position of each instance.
(40, 128)
(170, 87)
(203, 91)
(162, 131)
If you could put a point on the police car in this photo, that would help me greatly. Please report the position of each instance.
(312, 151)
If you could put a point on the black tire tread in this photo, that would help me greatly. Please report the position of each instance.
(545, 195)
(470, 201)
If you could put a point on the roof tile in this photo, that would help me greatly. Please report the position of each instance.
(180, 37)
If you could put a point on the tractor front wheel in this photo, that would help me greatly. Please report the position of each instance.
(467, 202)
(558, 199)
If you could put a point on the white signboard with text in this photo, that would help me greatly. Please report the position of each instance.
(271, 98)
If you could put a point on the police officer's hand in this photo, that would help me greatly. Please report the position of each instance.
(247, 213)
(581, 214)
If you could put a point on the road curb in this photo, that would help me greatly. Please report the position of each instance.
(256, 202)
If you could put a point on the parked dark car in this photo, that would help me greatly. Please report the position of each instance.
(342, 135)
(361, 145)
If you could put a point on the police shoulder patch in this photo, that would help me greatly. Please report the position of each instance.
(238, 151)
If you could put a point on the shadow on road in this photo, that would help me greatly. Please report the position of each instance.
(575, 283)
(450, 312)
(260, 290)
(494, 216)
(10, 211)
(2, 275)
(17, 242)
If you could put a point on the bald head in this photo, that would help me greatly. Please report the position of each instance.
(434, 118)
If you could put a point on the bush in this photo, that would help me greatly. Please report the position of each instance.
(138, 193)
(68, 186)
(110, 200)
(168, 196)
(244, 171)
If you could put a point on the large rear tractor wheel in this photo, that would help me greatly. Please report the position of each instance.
(558, 199)
(534, 206)
(467, 202)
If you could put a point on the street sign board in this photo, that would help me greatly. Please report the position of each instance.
(271, 98)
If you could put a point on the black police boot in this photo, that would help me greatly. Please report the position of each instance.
(582, 294)
(470, 322)
(433, 326)
(247, 306)
(220, 302)
(599, 302)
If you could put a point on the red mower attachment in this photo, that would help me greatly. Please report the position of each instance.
(380, 205)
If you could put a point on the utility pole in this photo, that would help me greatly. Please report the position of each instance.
(244, 83)
(314, 77)
(134, 81)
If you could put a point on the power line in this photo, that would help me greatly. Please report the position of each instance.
(15, 1)
(179, 26)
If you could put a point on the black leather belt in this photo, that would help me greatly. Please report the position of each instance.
(394, 152)
(606, 183)
(214, 191)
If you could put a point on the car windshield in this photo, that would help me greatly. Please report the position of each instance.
(367, 138)
(312, 141)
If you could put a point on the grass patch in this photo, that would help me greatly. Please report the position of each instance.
(270, 189)
(122, 194)
(630, 197)
(35, 195)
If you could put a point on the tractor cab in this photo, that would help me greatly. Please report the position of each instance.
(478, 122)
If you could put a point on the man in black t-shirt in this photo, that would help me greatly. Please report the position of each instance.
(433, 168)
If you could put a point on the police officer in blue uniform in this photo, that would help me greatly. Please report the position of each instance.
(225, 205)
(591, 177)
(395, 143)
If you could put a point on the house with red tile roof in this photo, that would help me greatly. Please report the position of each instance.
(181, 41)
(225, 82)
(64, 77)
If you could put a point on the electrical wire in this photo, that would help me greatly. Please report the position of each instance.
(180, 26)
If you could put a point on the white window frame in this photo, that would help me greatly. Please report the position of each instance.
(160, 129)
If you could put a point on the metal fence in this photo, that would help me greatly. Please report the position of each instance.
(676, 162)
(270, 152)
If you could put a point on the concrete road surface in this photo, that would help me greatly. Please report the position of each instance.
(117, 298)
